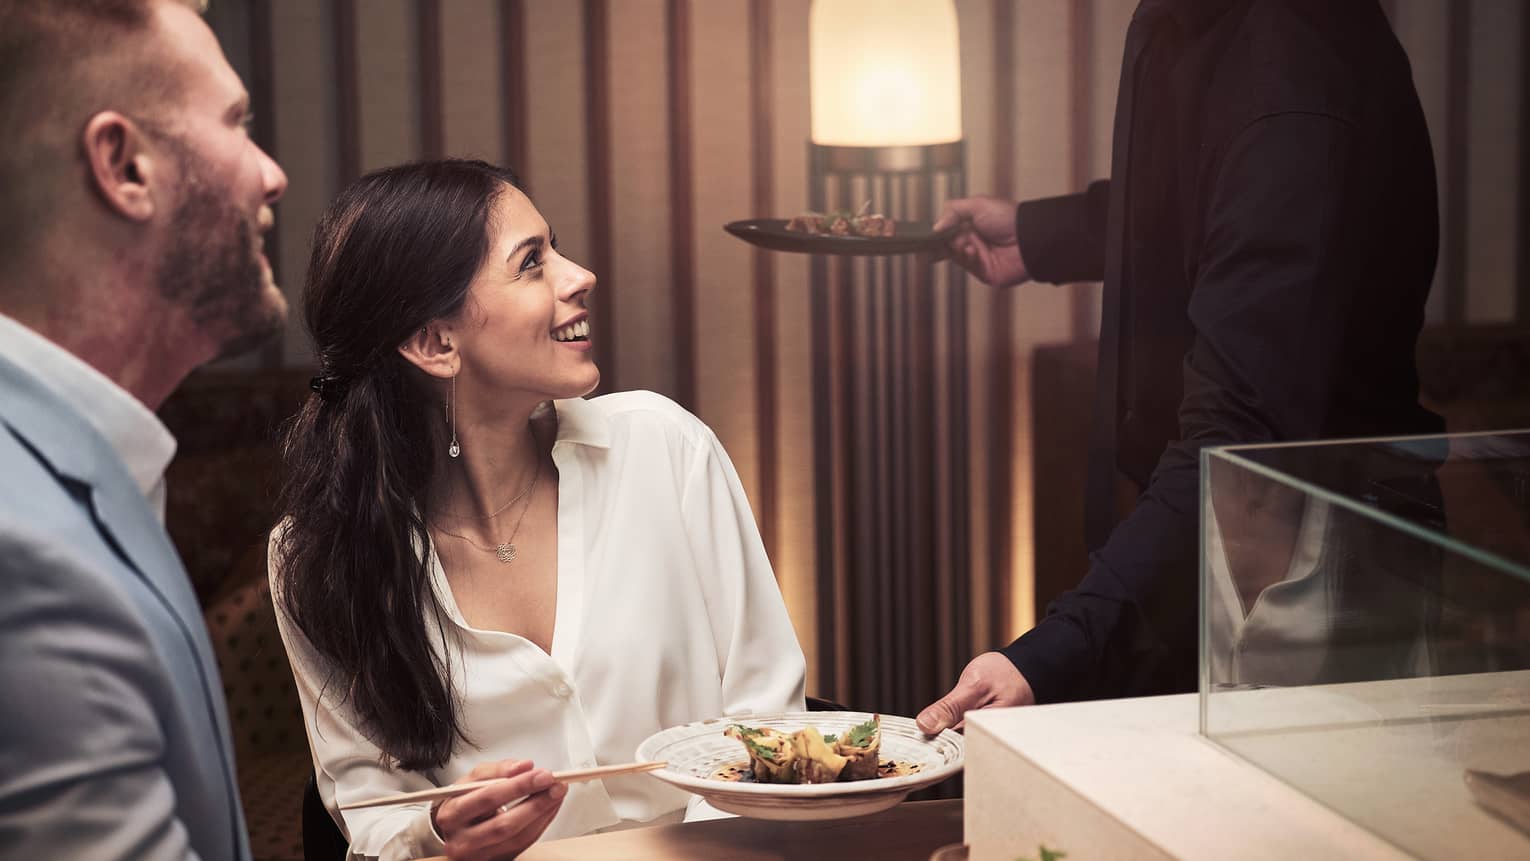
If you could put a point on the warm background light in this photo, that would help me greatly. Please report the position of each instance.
(884, 73)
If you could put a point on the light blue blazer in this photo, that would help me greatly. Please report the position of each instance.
(114, 740)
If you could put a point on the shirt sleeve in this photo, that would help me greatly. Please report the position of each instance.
(1274, 287)
(761, 664)
(347, 766)
(81, 748)
(1062, 239)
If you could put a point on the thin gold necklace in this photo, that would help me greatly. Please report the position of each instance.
(505, 550)
(500, 510)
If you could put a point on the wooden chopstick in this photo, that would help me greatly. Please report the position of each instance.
(572, 776)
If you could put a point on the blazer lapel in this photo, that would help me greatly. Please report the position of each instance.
(127, 519)
(125, 515)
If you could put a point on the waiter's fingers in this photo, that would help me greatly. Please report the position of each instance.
(953, 212)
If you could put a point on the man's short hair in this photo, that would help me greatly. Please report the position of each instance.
(62, 62)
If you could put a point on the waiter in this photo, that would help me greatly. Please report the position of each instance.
(1266, 241)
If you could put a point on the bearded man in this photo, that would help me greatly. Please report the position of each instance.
(132, 205)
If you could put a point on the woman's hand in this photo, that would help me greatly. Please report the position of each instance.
(482, 825)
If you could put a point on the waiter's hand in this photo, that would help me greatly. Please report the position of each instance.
(990, 681)
(500, 820)
(984, 243)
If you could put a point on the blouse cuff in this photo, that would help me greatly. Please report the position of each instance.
(422, 836)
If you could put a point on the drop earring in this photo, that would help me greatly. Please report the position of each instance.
(451, 416)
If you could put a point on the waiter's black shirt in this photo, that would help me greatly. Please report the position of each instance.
(1267, 242)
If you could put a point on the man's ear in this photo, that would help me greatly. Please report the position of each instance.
(122, 171)
(433, 350)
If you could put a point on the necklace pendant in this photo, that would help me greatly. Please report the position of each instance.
(454, 450)
(505, 552)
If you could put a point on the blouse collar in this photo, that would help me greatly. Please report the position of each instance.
(582, 423)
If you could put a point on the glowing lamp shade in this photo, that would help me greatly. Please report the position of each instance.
(884, 72)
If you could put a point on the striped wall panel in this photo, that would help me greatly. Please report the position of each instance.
(794, 529)
(1424, 31)
(305, 135)
(985, 362)
(1493, 125)
(387, 83)
(471, 94)
(722, 152)
(642, 217)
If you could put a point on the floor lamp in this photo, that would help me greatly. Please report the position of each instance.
(890, 394)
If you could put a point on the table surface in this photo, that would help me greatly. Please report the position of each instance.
(1323, 771)
(1052, 773)
(912, 831)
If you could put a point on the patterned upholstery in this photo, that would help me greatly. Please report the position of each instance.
(222, 483)
(220, 506)
(264, 715)
(273, 806)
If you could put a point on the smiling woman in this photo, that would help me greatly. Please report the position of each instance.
(477, 567)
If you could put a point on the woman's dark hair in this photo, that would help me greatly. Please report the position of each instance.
(397, 249)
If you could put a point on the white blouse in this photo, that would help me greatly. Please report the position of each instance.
(667, 612)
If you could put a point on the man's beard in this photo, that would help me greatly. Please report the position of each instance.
(212, 268)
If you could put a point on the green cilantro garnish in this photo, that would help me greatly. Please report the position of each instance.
(748, 735)
(829, 739)
(861, 735)
(760, 750)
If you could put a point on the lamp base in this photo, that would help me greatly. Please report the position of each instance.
(828, 159)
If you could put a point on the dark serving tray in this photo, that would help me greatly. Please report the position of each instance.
(910, 237)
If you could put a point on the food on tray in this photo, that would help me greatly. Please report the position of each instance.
(843, 223)
(806, 756)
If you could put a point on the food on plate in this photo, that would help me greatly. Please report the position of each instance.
(860, 747)
(843, 223)
(807, 756)
(816, 761)
(771, 756)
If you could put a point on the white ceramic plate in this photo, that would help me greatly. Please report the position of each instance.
(695, 751)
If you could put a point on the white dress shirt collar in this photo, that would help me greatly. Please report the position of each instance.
(138, 437)
(580, 422)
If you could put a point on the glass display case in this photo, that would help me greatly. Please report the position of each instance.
(1365, 630)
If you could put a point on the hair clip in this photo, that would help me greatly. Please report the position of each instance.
(329, 388)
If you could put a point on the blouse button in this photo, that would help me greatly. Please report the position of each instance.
(563, 690)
